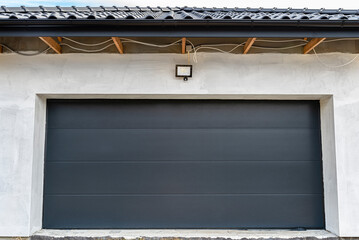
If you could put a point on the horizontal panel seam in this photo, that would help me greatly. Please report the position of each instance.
(178, 194)
(186, 161)
(198, 128)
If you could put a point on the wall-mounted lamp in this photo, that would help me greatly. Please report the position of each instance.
(184, 71)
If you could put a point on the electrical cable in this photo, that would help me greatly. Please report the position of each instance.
(339, 39)
(127, 40)
(213, 48)
(156, 45)
(88, 44)
(335, 66)
(87, 50)
(279, 48)
(188, 52)
(281, 41)
(24, 54)
(209, 46)
(190, 43)
(221, 44)
(194, 49)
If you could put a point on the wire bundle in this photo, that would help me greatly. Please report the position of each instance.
(194, 49)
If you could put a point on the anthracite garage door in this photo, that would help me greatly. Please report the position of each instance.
(183, 164)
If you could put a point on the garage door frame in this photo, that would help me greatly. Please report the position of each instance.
(327, 129)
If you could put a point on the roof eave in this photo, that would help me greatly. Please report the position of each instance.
(179, 28)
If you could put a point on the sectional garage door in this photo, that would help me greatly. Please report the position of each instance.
(183, 164)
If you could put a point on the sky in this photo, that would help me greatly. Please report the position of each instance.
(328, 4)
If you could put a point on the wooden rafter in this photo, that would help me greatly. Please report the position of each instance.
(312, 44)
(248, 45)
(184, 45)
(52, 44)
(118, 44)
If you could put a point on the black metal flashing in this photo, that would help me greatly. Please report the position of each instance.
(177, 22)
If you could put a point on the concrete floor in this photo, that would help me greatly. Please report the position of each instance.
(182, 234)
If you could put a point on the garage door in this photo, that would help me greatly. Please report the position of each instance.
(183, 164)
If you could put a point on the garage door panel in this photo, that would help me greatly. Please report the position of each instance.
(184, 211)
(183, 144)
(183, 164)
(184, 177)
(185, 114)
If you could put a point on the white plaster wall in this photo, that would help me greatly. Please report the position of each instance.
(25, 82)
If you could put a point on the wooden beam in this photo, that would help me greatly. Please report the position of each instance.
(312, 44)
(52, 44)
(183, 45)
(118, 44)
(59, 39)
(1, 49)
(248, 45)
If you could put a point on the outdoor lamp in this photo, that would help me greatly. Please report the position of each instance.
(184, 71)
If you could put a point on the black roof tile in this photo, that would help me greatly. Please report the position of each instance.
(110, 9)
(177, 13)
(14, 9)
(50, 9)
(83, 9)
(145, 9)
(33, 9)
(96, 9)
(66, 9)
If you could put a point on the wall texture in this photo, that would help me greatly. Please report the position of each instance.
(25, 82)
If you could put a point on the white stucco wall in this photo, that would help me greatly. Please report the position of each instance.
(25, 83)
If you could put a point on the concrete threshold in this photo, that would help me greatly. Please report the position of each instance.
(200, 234)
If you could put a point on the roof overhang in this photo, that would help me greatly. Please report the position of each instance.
(310, 27)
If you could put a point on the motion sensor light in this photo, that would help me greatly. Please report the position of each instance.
(184, 71)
